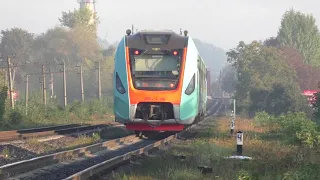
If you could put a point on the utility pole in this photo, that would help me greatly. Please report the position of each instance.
(5, 77)
(132, 29)
(99, 80)
(41, 87)
(64, 85)
(219, 86)
(234, 108)
(44, 86)
(81, 83)
(51, 83)
(10, 82)
(27, 93)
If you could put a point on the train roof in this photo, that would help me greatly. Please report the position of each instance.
(164, 32)
(166, 38)
(153, 31)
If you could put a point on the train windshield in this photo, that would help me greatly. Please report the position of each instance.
(161, 66)
(155, 71)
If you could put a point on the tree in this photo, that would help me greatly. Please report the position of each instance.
(228, 83)
(272, 41)
(74, 47)
(109, 51)
(264, 79)
(300, 31)
(19, 42)
(82, 17)
(85, 44)
(55, 45)
(307, 76)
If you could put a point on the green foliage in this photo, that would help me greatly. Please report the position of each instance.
(16, 41)
(265, 81)
(300, 31)
(316, 107)
(229, 80)
(295, 127)
(264, 119)
(244, 175)
(19, 42)
(74, 44)
(54, 114)
(80, 17)
(3, 97)
(93, 107)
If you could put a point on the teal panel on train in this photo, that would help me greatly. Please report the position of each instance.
(121, 101)
(189, 103)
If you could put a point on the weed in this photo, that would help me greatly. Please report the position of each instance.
(85, 140)
(275, 154)
(5, 153)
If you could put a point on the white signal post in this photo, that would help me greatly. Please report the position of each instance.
(233, 115)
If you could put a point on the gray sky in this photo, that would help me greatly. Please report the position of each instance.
(221, 22)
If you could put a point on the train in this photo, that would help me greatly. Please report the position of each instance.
(160, 82)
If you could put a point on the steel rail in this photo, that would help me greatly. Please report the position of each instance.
(113, 162)
(98, 168)
(47, 131)
(21, 167)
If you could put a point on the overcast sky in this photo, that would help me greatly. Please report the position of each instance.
(221, 22)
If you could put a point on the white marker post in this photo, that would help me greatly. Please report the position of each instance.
(233, 115)
(232, 124)
(239, 143)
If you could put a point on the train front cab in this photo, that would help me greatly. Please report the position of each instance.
(186, 101)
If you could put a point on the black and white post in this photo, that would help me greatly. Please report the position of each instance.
(232, 123)
(233, 116)
(239, 143)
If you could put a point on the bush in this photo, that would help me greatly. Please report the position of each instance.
(264, 119)
(296, 127)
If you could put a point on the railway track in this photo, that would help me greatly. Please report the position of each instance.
(86, 162)
(6, 136)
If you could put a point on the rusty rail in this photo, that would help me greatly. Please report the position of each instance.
(98, 168)
(48, 131)
(35, 163)
(111, 163)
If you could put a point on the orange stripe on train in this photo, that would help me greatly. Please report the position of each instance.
(173, 96)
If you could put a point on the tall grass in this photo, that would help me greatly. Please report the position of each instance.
(282, 148)
(53, 113)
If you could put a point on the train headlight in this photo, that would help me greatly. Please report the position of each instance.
(119, 85)
(191, 85)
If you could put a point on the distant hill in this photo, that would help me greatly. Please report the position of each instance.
(215, 57)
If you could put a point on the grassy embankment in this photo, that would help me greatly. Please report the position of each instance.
(283, 148)
(54, 114)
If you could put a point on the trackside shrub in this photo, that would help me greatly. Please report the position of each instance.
(3, 97)
(296, 127)
(264, 119)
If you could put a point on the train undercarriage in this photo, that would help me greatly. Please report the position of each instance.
(157, 118)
